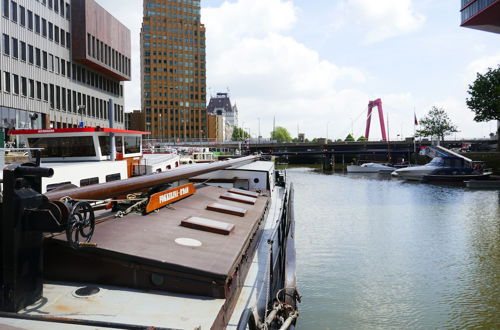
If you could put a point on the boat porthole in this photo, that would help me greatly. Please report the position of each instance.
(191, 242)
(86, 291)
(157, 279)
(256, 180)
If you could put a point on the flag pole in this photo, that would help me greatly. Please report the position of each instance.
(415, 123)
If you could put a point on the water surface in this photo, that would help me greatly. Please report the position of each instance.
(376, 253)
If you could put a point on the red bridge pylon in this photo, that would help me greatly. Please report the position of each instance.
(377, 103)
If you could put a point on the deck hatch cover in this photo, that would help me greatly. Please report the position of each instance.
(209, 225)
(244, 192)
(227, 209)
(239, 198)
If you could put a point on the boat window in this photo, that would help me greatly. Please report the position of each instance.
(118, 144)
(436, 161)
(132, 144)
(238, 198)
(104, 144)
(454, 162)
(71, 146)
(211, 226)
(113, 177)
(89, 181)
(227, 209)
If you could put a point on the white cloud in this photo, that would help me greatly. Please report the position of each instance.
(480, 65)
(379, 20)
(272, 74)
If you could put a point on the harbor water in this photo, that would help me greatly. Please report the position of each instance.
(379, 253)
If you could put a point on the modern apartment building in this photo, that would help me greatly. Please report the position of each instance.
(62, 62)
(481, 15)
(173, 70)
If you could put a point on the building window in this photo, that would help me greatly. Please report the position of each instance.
(38, 59)
(51, 62)
(58, 98)
(63, 98)
(44, 60)
(15, 82)
(44, 27)
(13, 11)
(30, 20)
(51, 31)
(6, 44)
(38, 90)
(52, 96)
(61, 6)
(30, 54)
(63, 67)
(24, 86)
(5, 11)
(37, 24)
(56, 33)
(32, 88)
(67, 11)
(68, 40)
(15, 48)
(46, 92)
(22, 16)
(23, 51)
(6, 82)
(62, 38)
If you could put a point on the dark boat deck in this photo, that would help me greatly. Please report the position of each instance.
(143, 252)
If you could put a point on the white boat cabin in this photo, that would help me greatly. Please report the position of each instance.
(82, 144)
(82, 156)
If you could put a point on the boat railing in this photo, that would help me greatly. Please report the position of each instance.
(280, 290)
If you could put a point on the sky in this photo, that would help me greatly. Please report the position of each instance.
(313, 66)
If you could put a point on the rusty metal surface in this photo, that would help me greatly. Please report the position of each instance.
(114, 307)
(122, 187)
(131, 249)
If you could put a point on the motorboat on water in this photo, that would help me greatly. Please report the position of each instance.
(191, 248)
(370, 168)
(454, 175)
(416, 173)
(446, 165)
(85, 156)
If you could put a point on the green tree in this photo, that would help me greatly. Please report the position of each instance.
(349, 138)
(281, 134)
(239, 134)
(436, 124)
(362, 138)
(484, 94)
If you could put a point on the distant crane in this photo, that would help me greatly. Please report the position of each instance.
(377, 103)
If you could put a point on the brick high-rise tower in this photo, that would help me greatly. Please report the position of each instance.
(173, 70)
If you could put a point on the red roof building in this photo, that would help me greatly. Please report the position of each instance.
(481, 15)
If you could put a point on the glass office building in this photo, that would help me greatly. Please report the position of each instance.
(173, 70)
(61, 63)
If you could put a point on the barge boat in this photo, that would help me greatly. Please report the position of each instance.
(163, 251)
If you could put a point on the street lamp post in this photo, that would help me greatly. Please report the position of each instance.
(327, 123)
(259, 129)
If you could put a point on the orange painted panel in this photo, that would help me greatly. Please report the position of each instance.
(166, 197)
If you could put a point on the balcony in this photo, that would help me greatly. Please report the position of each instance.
(481, 15)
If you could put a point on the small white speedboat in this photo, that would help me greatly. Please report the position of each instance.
(370, 168)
